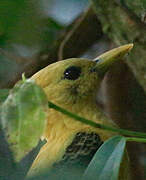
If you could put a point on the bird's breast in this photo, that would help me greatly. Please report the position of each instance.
(81, 150)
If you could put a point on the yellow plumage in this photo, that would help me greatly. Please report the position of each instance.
(72, 84)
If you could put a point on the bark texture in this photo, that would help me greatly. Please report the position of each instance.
(122, 24)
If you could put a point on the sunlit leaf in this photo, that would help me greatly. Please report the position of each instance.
(106, 162)
(23, 117)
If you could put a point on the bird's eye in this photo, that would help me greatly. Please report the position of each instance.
(97, 60)
(72, 73)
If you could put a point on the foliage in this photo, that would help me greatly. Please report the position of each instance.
(106, 162)
(23, 115)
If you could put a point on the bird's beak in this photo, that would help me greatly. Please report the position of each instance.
(107, 59)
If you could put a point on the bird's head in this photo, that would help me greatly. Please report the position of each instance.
(73, 84)
(77, 80)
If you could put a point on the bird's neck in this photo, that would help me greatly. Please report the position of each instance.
(85, 108)
(59, 123)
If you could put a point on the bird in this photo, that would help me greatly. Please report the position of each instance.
(73, 84)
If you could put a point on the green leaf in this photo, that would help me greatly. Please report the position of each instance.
(23, 116)
(3, 94)
(19, 22)
(106, 162)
